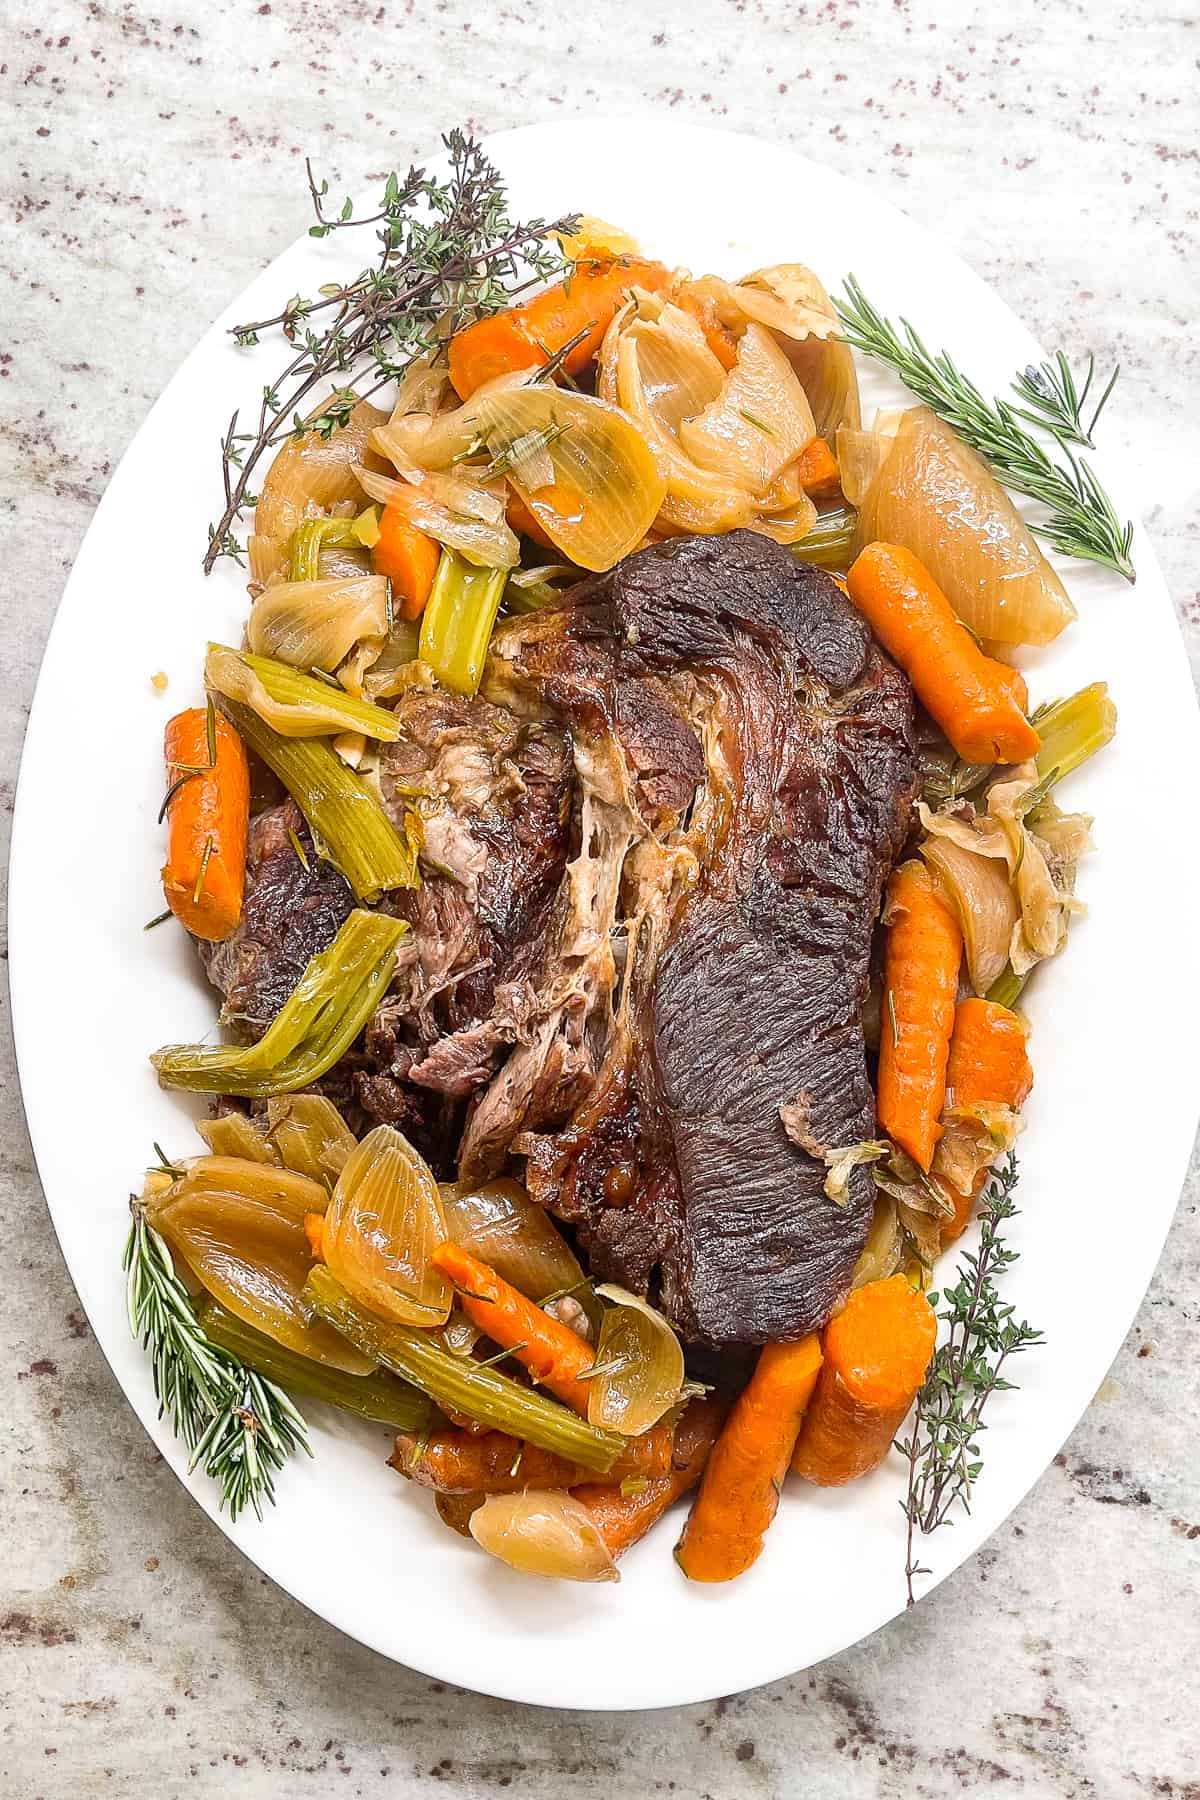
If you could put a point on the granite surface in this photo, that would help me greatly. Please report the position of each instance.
(151, 163)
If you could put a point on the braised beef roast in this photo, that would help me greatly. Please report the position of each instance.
(712, 738)
(747, 752)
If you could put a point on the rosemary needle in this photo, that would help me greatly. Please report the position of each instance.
(1082, 521)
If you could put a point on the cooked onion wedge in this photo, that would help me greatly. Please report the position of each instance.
(550, 1534)
(503, 1227)
(312, 474)
(383, 1222)
(934, 495)
(640, 1366)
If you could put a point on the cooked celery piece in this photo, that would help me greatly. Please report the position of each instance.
(291, 703)
(456, 626)
(326, 1010)
(378, 1396)
(460, 1384)
(1006, 989)
(830, 543)
(1072, 730)
(349, 826)
(314, 535)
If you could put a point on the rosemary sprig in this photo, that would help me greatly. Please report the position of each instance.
(943, 1448)
(448, 254)
(1082, 520)
(239, 1427)
(1055, 401)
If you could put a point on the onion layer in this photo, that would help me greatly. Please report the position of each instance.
(316, 624)
(640, 1363)
(504, 1228)
(312, 474)
(383, 1223)
(986, 908)
(550, 1534)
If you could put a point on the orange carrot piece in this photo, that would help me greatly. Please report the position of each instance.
(208, 814)
(408, 558)
(623, 1518)
(920, 985)
(551, 1351)
(314, 1231)
(739, 1495)
(877, 1350)
(522, 520)
(717, 335)
(527, 336)
(971, 697)
(817, 468)
(453, 1462)
(987, 1066)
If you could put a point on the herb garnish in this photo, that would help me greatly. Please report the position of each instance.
(240, 1427)
(943, 1448)
(1057, 402)
(448, 255)
(1082, 520)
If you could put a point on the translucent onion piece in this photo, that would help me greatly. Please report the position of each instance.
(759, 421)
(607, 486)
(861, 455)
(880, 1255)
(788, 298)
(396, 669)
(504, 1228)
(339, 564)
(827, 373)
(458, 513)
(550, 1534)
(934, 496)
(240, 1227)
(316, 624)
(680, 374)
(383, 1222)
(696, 499)
(791, 526)
(984, 903)
(420, 388)
(268, 558)
(234, 1134)
(974, 1138)
(592, 234)
(434, 441)
(310, 1134)
(641, 1365)
(310, 475)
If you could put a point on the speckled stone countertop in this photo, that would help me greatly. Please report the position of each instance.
(152, 162)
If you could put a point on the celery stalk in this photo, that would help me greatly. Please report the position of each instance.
(333, 1000)
(1072, 730)
(312, 536)
(460, 1384)
(456, 626)
(379, 1396)
(333, 709)
(1006, 989)
(349, 826)
(830, 543)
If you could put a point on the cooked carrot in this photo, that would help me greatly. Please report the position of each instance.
(623, 1518)
(526, 336)
(739, 1495)
(453, 1462)
(920, 984)
(455, 1510)
(877, 1350)
(408, 558)
(817, 468)
(522, 520)
(208, 814)
(987, 1066)
(969, 695)
(550, 1351)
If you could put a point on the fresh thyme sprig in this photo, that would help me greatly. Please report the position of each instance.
(943, 1448)
(239, 1427)
(1082, 520)
(448, 254)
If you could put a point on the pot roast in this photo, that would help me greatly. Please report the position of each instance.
(654, 853)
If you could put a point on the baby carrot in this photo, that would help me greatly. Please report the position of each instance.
(817, 468)
(408, 558)
(962, 689)
(743, 1477)
(208, 814)
(877, 1350)
(527, 336)
(551, 1352)
(924, 949)
(623, 1517)
(987, 1066)
(455, 1462)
